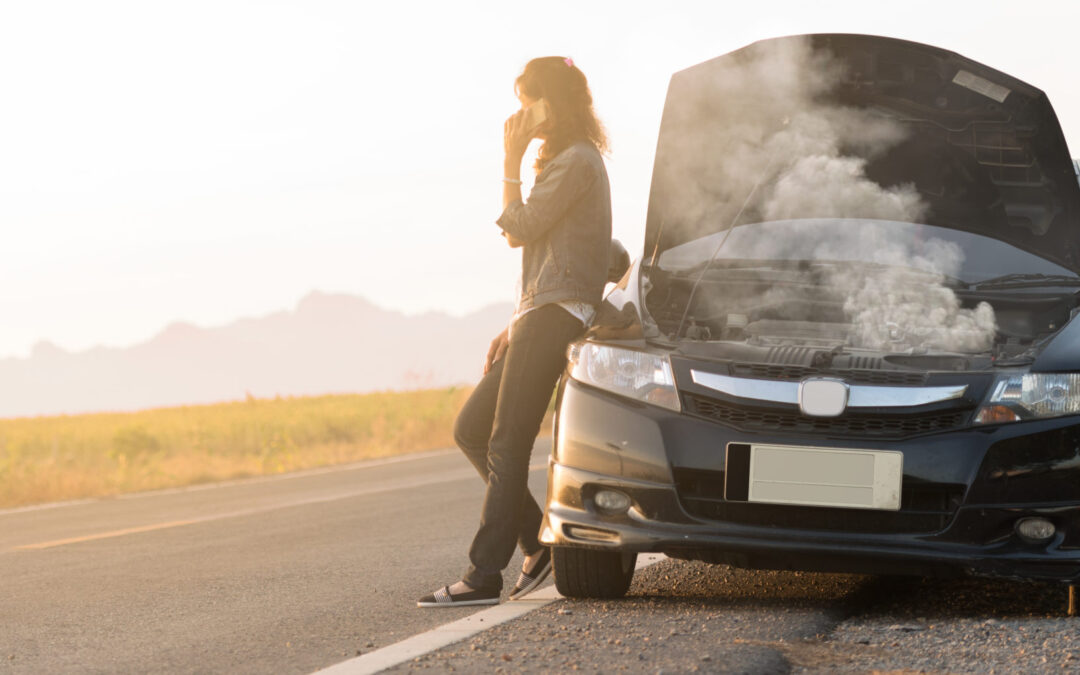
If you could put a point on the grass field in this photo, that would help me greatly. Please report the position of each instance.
(46, 459)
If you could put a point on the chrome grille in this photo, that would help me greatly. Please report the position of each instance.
(765, 371)
(848, 424)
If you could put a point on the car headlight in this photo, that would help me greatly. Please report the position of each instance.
(1031, 396)
(637, 375)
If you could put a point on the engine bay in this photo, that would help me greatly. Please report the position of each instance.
(910, 315)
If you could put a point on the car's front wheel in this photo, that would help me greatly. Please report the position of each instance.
(585, 573)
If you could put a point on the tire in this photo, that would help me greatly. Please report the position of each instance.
(585, 573)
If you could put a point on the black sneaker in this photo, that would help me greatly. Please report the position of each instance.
(533, 576)
(442, 598)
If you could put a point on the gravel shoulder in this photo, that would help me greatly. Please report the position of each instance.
(692, 617)
(959, 626)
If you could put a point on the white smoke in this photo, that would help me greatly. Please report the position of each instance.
(897, 307)
(889, 315)
(836, 187)
(762, 145)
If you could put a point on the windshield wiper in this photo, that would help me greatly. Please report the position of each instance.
(723, 267)
(1017, 280)
(930, 275)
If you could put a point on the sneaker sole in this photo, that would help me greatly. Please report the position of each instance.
(460, 603)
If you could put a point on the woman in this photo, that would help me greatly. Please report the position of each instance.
(564, 230)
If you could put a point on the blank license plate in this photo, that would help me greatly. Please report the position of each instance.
(856, 479)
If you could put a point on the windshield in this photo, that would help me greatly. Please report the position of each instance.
(964, 256)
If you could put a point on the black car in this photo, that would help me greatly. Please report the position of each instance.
(850, 342)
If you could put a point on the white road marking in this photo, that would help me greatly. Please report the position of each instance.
(408, 483)
(456, 631)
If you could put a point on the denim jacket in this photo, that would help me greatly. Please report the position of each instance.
(565, 226)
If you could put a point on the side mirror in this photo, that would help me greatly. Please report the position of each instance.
(618, 261)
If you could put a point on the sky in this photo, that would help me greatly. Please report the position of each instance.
(205, 161)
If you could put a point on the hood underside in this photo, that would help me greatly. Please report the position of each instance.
(916, 133)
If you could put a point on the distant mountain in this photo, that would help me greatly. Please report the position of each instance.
(330, 343)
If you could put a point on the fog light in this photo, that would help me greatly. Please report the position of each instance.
(1035, 529)
(611, 501)
(589, 533)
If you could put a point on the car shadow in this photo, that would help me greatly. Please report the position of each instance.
(964, 598)
(677, 581)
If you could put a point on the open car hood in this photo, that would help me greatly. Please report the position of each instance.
(979, 150)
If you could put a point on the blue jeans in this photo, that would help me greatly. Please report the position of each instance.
(496, 430)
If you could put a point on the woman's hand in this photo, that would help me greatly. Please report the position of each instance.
(516, 138)
(497, 349)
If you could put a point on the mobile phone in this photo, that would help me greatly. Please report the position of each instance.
(536, 114)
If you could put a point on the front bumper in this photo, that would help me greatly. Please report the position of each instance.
(999, 475)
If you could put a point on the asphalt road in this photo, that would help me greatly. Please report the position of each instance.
(298, 573)
(281, 575)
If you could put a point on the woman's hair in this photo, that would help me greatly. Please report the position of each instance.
(571, 116)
